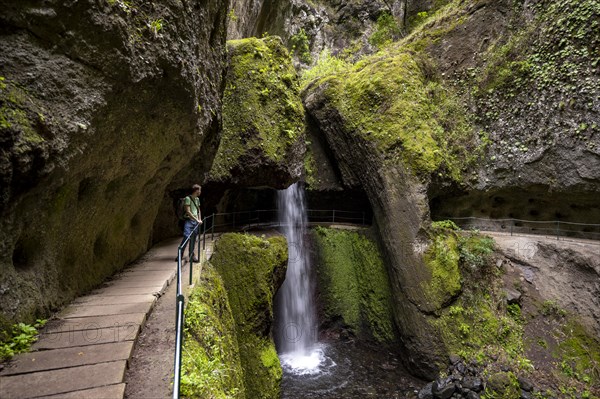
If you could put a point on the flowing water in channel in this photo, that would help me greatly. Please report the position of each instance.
(333, 367)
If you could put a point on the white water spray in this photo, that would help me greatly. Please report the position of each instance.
(296, 324)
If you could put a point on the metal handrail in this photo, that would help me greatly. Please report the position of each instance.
(553, 228)
(180, 306)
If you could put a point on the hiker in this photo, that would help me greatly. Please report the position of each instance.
(192, 217)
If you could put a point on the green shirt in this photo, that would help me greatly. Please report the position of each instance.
(194, 207)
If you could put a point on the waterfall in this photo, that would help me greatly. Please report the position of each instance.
(296, 327)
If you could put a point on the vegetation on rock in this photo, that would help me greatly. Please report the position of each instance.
(494, 336)
(252, 269)
(263, 116)
(211, 366)
(394, 100)
(354, 283)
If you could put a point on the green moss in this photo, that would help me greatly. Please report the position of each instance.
(262, 111)
(327, 65)
(555, 50)
(479, 325)
(14, 116)
(578, 353)
(211, 364)
(391, 100)
(502, 385)
(250, 267)
(442, 258)
(355, 283)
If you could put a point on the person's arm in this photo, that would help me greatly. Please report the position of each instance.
(199, 213)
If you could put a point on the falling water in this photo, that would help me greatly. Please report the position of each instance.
(296, 322)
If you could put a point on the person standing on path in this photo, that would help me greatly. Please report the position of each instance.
(192, 219)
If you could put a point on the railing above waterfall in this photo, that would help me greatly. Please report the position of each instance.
(268, 218)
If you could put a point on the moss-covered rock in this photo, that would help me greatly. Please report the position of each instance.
(354, 283)
(252, 269)
(442, 260)
(211, 366)
(393, 100)
(502, 385)
(263, 119)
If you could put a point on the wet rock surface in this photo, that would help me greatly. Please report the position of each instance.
(88, 146)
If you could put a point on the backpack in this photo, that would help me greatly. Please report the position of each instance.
(180, 210)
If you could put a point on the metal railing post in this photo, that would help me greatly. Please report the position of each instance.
(179, 254)
(333, 216)
(512, 223)
(557, 230)
(212, 234)
(178, 344)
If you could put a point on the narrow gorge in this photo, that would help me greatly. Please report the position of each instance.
(406, 192)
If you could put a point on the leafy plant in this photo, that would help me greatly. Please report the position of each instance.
(551, 308)
(387, 30)
(300, 46)
(156, 26)
(19, 339)
(327, 65)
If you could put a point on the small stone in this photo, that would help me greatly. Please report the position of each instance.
(473, 384)
(512, 296)
(526, 395)
(525, 384)
(460, 367)
(425, 392)
(499, 263)
(442, 389)
(454, 359)
(471, 395)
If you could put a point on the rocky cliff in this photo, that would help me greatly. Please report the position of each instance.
(101, 104)
(461, 105)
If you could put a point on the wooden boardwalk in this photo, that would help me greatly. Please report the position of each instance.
(83, 353)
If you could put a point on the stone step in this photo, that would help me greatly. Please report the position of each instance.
(84, 353)
(83, 310)
(116, 290)
(59, 381)
(116, 391)
(68, 339)
(68, 357)
(93, 300)
(92, 323)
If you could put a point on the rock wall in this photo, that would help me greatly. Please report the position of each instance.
(491, 109)
(253, 269)
(101, 104)
(529, 72)
(263, 119)
(354, 289)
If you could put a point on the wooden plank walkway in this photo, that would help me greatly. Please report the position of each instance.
(83, 353)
